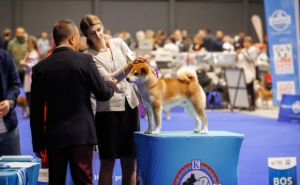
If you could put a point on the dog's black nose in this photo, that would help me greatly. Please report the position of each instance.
(128, 79)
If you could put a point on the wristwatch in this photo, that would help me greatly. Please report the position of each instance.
(11, 104)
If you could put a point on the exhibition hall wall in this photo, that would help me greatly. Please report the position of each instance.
(230, 16)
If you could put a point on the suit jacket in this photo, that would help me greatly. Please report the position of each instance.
(10, 88)
(64, 81)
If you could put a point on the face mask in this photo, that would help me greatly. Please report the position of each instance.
(21, 39)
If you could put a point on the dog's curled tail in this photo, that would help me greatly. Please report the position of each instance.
(186, 75)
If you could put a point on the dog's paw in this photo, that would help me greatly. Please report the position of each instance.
(204, 132)
(168, 115)
(148, 132)
(197, 130)
(156, 132)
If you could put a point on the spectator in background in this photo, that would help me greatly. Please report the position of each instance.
(171, 46)
(238, 40)
(208, 39)
(125, 35)
(9, 91)
(217, 43)
(31, 58)
(149, 36)
(182, 44)
(246, 61)
(6, 37)
(18, 49)
(228, 44)
(43, 45)
(140, 37)
(186, 41)
(198, 43)
(262, 62)
(159, 39)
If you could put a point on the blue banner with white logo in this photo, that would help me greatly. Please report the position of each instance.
(282, 21)
(282, 171)
(290, 108)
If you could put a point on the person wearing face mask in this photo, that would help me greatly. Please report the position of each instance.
(118, 118)
(63, 83)
(17, 47)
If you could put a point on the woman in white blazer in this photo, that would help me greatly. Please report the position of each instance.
(117, 118)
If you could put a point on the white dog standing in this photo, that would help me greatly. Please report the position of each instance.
(160, 94)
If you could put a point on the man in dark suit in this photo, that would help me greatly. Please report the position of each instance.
(9, 91)
(64, 82)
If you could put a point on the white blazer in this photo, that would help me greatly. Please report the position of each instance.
(109, 68)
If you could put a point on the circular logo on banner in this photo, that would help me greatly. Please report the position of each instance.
(279, 20)
(196, 173)
(296, 107)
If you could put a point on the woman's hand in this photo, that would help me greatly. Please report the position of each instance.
(130, 65)
(139, 60)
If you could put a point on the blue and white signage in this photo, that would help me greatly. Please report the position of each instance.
(196, 173)
(282, 171)
(282, 21)
(290, 108)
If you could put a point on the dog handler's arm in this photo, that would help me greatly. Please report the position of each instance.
(103, 91)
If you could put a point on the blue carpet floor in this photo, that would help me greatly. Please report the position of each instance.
(263, 138)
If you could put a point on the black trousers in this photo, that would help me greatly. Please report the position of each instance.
(251, 93)
(80, 159)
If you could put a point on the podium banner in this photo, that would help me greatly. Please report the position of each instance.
(282, 21)
(183, 157)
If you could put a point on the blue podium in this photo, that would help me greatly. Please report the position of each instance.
(186, 158)
(17, 176)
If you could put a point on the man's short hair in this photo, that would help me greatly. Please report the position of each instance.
(62, 30)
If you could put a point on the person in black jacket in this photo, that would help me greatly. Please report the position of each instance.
(63, 83)
(9, 91)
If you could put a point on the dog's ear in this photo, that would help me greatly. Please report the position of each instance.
(144, 71)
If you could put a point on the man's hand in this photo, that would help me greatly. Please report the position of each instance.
(112, 82)
(4, 108)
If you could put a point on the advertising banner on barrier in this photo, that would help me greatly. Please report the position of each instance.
(290, 108)
(282, 170)
(282, 21)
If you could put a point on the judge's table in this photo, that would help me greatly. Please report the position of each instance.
(184, 157)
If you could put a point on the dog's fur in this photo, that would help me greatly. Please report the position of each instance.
(22, 102)
(264, 95)
(160, 94)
